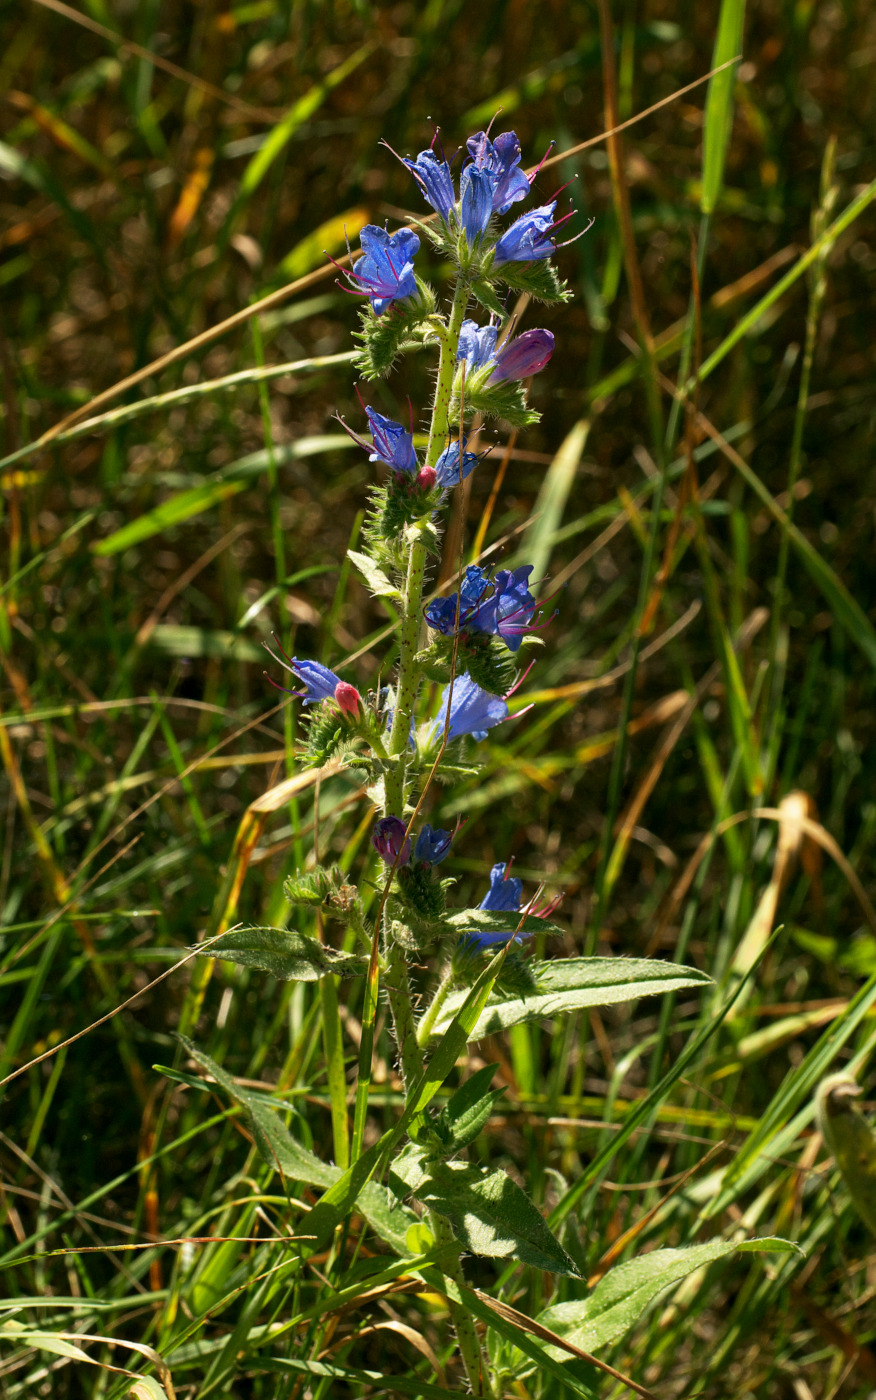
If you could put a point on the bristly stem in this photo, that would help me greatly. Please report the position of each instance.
(409, 632)
(397, 982)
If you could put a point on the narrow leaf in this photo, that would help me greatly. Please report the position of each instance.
(285, 954)
(569, 984)
(617, 1303)
(280, 1150)
(376, 579)
(719, 101)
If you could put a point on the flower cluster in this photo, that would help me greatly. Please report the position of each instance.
(497, 605)
(391, 843)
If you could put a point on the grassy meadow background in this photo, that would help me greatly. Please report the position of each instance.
(710, 667)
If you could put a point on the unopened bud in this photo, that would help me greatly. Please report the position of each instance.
(389, 841)
(426, 478)
(348, 698)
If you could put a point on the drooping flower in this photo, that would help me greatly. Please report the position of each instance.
(389, 841)
(526, 354)
(432, 845)
(447, 470)
(386, 272)
(499, 605)
(528, 238)
(476, 190)
(434, 178)
(477, 344)
(501, 158)
(319, 683)
(473, 711)
(392, 443)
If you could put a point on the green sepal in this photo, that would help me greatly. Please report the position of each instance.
(487, 660)
(433, 664)
(488, 299)
(538, 278)
(394, 509)
(290, 956)
(505, 399)
(463, 1117)
(421, 891)
(400, 329)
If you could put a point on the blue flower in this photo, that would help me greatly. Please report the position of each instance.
(505, 892)
(501, 158)
(528, 238)
(501, 605)
(472, 711)
(432, 845)
(447, 473)
(392, 444)
(433, 177)
(319, 683)
(476, 189)
(477, 344)
(386, 272)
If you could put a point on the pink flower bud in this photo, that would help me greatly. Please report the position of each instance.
(348, 698)
(426, 478)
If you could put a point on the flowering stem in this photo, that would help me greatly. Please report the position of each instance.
(413, 599)
(397, 983)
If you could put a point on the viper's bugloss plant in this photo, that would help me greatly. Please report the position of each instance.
(449, 973)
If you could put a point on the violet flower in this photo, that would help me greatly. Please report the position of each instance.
(528, 238)
(389, 841)
(447, 472)
(526, 354)
(477, 344)
(500, 605)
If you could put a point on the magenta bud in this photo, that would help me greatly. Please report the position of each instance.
(526, 354)
(388, 840)
(426, 478)
(348, 698)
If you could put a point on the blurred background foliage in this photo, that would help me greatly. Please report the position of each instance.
(165, 164)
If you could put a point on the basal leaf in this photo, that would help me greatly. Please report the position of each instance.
(568, 984)
(291, 956)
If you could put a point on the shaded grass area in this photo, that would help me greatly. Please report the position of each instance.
(150, 556)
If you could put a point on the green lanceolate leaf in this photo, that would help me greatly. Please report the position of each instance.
(463, 1117)
(617, 1303)
(569, 984)
(293, 957)
(850, 1138)
(279, 1149)
(376, 579)
(488, 1212)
